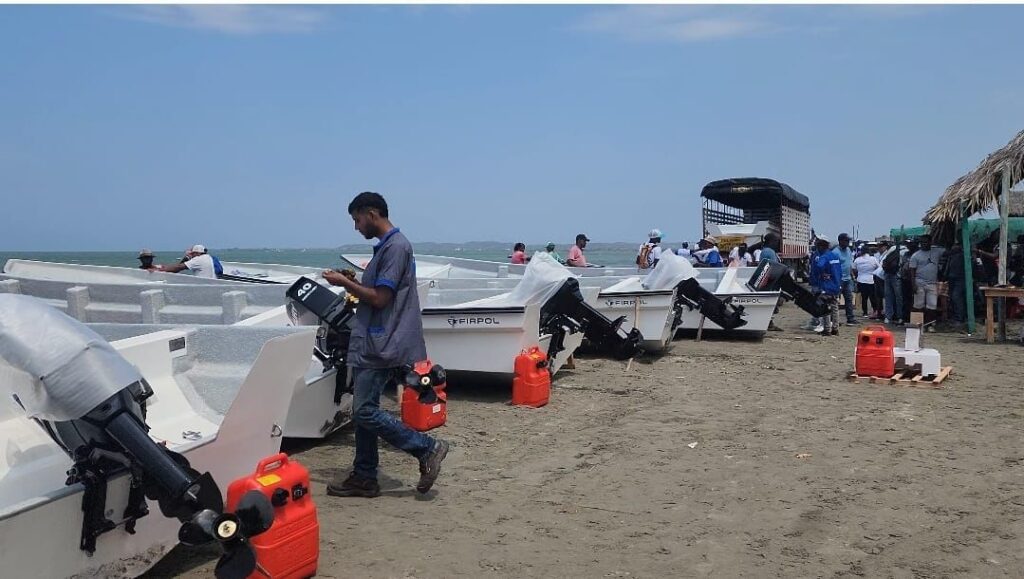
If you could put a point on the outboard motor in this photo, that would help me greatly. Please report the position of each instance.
(566, 311)
(92, 402)
(334, 312)
(774, 276)
(694, 297)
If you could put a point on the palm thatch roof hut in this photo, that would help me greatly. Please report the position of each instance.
(979, 189)
(976, 192)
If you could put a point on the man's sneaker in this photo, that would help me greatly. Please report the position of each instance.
(819, 329)
(430, 466)
(354, 486)
(851, 322)
(887, 321)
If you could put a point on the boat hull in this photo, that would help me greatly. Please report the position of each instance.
(487, 340)
(654, 317)
(759, 308)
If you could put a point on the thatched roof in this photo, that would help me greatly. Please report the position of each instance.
(980, 188)
(1017, 203)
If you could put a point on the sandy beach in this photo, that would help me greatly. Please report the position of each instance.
(722, 458)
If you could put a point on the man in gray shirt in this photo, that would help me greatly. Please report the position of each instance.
(924, 275)
(387, 335)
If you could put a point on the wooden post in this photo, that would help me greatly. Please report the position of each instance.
(965, 237)
(1004, 245)
(1004, 224)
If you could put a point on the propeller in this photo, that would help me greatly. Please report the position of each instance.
(253, 515)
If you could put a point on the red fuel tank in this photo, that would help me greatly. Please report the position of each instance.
(424, 401)
(531, 385)
(290, 548)
(875, 352)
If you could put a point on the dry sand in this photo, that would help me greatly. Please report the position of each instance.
(721, 458)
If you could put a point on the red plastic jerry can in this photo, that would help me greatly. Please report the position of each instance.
(531, 385)
(290, 548)
(875, 356)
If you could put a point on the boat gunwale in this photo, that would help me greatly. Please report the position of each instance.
(447, 310)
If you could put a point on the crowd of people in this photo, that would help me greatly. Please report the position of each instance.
(707, 253)
(889, 280)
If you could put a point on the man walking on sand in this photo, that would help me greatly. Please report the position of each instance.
(388, 334)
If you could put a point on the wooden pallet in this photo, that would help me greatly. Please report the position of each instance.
(909, 377)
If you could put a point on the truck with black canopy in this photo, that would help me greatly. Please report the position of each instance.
(744, 209)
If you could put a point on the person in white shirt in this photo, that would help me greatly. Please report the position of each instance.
(199, 263)
(649, 253)
(864, 268)
(684, 250)
(739, 256)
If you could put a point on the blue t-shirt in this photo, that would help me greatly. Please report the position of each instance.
(846, 261)
(393, 335)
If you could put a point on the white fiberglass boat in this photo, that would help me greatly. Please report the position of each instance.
(259, 273)
(150, 303)
(215, 399)
(666, 304)
(617, 297)
(468, 332)
(318, 407)
(729, 284)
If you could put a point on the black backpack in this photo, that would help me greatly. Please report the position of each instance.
(891, 262)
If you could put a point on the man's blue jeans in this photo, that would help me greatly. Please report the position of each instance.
(848, 288)
(372, 422)
(893, 297)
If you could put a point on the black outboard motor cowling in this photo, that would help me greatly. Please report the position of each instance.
(332, 338)
(774, 276)
(726, 315)
(568, 308)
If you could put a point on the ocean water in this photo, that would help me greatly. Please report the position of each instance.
(611, 254)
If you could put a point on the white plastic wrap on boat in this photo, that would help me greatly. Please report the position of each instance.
(542, 279)
(669, 271)
(61, 355)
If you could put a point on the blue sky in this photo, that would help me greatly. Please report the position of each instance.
(123, 127)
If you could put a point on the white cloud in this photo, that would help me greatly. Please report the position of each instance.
(676, 23)
(230, 19)
(699, 23)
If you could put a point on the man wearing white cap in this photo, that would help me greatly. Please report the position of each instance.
(649, 253)
(199, 263)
